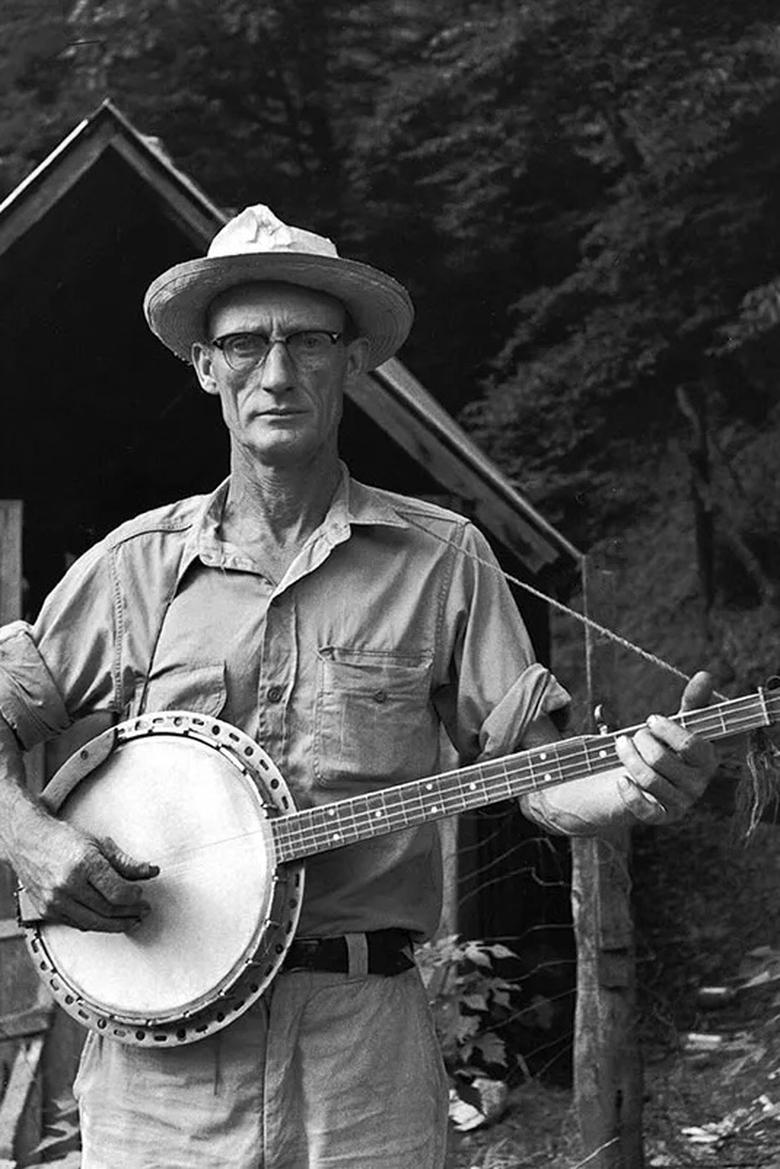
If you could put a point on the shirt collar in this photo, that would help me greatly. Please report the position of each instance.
(202, 542)
(352, 503)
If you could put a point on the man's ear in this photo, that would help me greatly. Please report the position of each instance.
(202, 357)
(357, 357)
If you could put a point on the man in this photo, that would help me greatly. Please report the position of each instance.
(341, 627)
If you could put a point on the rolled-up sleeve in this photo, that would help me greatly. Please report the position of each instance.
(62, 667)
(496, 688)
(30, 701)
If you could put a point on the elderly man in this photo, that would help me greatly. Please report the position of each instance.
(289, 603)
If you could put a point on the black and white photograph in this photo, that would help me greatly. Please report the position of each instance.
(389, 584)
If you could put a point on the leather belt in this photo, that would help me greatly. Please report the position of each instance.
(387, 952)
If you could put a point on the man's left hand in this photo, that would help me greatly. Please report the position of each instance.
(667, 767)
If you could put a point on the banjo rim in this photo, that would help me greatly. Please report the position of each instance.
(249, 977)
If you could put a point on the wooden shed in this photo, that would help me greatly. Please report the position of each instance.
(100, 422)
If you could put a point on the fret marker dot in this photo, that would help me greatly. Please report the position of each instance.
(335, 836)
(331, 811)
(429, 787)
(543, 755)
(434, 808)
(547, 775)
(472, 787)
(602, 754)
(378, 815)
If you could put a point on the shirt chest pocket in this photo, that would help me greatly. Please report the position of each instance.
(374, 721)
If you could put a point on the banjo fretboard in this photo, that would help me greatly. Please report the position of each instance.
(408, 805)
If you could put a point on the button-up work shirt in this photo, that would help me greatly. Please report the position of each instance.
(392, 622)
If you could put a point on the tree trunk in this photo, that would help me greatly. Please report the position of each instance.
(692, 402)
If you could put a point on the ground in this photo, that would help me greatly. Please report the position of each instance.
(713, 1102)
(536, 1131)
(708, 914)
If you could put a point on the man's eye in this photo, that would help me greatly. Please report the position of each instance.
(311, 342)
(246, 343)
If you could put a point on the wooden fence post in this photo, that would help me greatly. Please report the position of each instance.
(607, 1066)
(24, 1016)
(10, 560)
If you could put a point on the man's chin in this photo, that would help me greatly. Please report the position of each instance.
(284, 452)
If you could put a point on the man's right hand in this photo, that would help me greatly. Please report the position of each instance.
(81, 881)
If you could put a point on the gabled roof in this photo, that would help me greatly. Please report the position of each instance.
(390, 396)
(107, 130)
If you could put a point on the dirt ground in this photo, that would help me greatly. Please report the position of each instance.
(714, 1102)
(708, 914)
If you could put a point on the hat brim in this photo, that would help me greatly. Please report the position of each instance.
(176, 302)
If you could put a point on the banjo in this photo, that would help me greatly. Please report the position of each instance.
(209, 806)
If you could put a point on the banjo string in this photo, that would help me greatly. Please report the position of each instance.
(290, 831)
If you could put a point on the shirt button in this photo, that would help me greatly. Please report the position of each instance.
(275, 693)
(380, 696)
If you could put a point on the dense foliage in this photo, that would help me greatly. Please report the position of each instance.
(583, 197)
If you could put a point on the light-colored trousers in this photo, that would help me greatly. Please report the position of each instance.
(326, 1071)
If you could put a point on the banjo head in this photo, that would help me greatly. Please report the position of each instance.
(197, 797)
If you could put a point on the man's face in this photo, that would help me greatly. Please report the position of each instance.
(279, 413)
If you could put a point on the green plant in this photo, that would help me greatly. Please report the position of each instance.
(469, 1000)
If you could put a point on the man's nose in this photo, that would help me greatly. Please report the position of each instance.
(277, 373)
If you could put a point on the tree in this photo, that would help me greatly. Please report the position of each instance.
(594, 195)
(39, 104)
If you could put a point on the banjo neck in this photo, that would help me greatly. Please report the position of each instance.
(409, 805)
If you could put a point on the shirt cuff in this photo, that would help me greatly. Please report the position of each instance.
(534, 693)
(592, 806)
(30, 701)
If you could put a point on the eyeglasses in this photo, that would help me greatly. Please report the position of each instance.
(308, 349)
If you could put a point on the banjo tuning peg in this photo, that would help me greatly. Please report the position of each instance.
(601, 718)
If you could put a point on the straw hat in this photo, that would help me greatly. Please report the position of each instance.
(256, 245)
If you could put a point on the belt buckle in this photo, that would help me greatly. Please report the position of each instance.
(303, 953)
